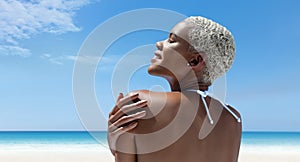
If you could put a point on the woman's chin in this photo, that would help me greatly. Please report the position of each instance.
(154, 70)
(157, 70)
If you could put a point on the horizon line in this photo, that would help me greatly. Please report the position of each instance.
(251, 131)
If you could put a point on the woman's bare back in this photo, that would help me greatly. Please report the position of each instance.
(183, 144)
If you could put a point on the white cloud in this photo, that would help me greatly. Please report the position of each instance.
(22, 19)
(90, 60)
(55, 60)
(87, 59)
(6, 50)
(60, 60)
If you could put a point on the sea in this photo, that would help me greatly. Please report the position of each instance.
(69, 140)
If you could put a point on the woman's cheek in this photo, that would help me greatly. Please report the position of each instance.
(173, 61)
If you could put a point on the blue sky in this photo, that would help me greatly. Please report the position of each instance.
(39, 41)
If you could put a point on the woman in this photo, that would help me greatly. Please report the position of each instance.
(186, 124)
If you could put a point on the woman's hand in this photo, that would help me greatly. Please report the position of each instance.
(120, 121)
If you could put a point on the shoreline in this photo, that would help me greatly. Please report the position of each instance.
(77, 146)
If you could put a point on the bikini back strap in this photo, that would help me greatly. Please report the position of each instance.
(203, 94)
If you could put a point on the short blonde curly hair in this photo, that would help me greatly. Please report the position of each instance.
(216, 42)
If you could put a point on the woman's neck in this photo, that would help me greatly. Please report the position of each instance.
(186, 85)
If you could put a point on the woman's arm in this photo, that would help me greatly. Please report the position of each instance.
(120, 122)
(126, 149)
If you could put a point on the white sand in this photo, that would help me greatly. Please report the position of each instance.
(269, 157)
(269, 154)
(55, 156)
(105, 156)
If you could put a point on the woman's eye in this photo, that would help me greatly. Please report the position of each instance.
(171, 41)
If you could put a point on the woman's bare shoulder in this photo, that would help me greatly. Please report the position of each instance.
(154, 98)
(160, 110)
(235, 111)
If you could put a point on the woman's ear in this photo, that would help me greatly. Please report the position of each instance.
(197, 62)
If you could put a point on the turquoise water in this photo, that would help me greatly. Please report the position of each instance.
(84, 138)
(62, 141)
(51, 137)
(271, 138)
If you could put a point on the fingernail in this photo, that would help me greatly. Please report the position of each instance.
(142, 113)
(134, 94)
(142, 101)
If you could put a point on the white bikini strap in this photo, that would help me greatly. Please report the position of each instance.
(238, 119)
(204, 94)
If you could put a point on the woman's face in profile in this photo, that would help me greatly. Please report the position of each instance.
(170, 58)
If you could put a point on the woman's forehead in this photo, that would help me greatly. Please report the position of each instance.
(181, 30)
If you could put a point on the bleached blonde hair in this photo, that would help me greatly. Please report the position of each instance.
(216, 42)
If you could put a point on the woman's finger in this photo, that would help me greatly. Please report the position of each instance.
(126, 109)
(123, 129)
(113, 136)
(127, 99)
(125, 120)
(116, 108)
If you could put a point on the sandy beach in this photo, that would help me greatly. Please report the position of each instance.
(268, 156)
(105, 156)
(55, 156)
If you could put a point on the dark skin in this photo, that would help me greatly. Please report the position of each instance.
(153, 111)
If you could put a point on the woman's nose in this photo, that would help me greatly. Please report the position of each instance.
(159, 45)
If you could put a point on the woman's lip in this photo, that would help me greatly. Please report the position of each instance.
(157, 54)
(154, 59)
